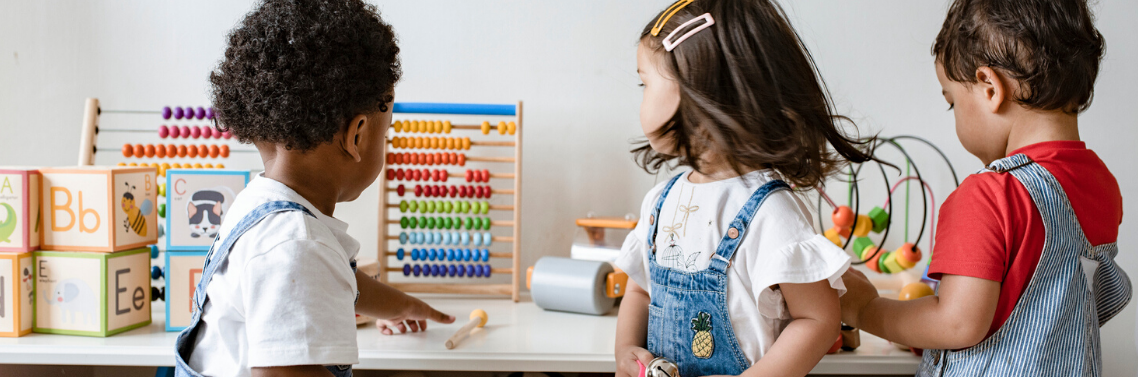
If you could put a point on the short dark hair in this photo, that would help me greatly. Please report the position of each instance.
(296, 71)
(750, 92)
(1050, 47)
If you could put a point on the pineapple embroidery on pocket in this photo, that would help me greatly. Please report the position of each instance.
(702, 343)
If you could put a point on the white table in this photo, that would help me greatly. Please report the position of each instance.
(518, 337)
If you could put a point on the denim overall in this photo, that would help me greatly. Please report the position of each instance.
(1054, 328)
(184, 346)
(682, 299)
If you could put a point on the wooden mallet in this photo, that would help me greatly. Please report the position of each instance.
(478, 318)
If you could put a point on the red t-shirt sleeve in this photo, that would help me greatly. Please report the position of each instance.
(970, 234)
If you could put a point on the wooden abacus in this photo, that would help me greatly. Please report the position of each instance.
(447, 237)
(88, 147)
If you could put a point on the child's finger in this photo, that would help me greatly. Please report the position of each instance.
(439, 317)
(422, 325)
(643, 355)
(414, 325)
(383, 329)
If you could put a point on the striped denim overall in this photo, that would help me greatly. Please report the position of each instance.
(184, 346)
(683, 304)
(1054, 328)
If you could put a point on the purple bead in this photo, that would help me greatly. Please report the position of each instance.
(209, 113)
(178, 113)
(417, 270)
(166, 112)
(199, 112)
(451, 270)
(406, 270)
(461, 270)
(487, 268)
(434, 270)
(478, 271)
(189, 110)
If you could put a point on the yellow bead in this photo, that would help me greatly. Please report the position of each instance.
(434, 143)
(132, 164)
(513, 128)
(208, 166)
(397, 126)
(501, 127)
(414, 126)
(197, 166)
(176, 165)
(165, 165)
(864, 226)
(466, 143)
(913, 291)
(446, 127)
(122, 164)
(438, 126)
(832, 235)
(485, 128)
(221, 166)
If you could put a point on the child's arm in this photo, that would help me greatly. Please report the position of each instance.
(816, 324)
(394, 307)
(632, 331)
(958, 317)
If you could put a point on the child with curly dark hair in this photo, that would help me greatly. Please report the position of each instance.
(726, 274)
(1025, 249)
(311, 85)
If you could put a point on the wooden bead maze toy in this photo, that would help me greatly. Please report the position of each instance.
(435, 232)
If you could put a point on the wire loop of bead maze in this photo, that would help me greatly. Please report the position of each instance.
(408, 164)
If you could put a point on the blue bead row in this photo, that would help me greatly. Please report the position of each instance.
(443, 270)
(451, 255)
(446, 238)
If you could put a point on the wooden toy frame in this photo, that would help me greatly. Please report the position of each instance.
(387, 187)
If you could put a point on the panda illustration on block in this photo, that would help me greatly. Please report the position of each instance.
(204, 211)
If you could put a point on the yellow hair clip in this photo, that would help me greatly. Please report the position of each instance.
(668, 13)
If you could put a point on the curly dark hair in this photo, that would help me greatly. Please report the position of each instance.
(1051, 47)
(749, 92)
(296, 71)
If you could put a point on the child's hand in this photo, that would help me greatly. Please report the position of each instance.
(859, 292)
(626, 361)
(414, 316)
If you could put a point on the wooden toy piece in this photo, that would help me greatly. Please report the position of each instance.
(851, 338)
(843, 217)
(908, 255)
(832, 235)
(862, 243)
(913, 291)
(869, 253)
(17, 287)
(183, 272)
(92, 294)
(99, 208)
(873, 261)
(478, 318)
(20, 216)
(863, 226)
(890, 263)
(880, 219)
(197, 201)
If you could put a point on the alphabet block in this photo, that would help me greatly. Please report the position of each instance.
(99, 208)
(17, 289)
(183, 272)
(92, 293)
(20, 221)
(197, 202)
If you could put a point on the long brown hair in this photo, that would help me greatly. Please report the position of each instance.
(750, 93)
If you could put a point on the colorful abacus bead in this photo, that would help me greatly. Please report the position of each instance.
(178, 113)
(399, 254)
(417, 270)
(167, 112)
(406, 270)
(486, 256)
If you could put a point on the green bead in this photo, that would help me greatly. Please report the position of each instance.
(458, 222)
(431, 206)
(440, 205)
(403, 223)
(881, 262)
(430, 223)
(423, 222)
(422, 206)
(450, 223)
(486, 224)
(860, 243)
(412, 222)
(403, 206)
(880, 219)
(485, 208)
(449, 207)
(162, 211)
(441, 221)
(469, 223)
(413, 207)
(463, 206)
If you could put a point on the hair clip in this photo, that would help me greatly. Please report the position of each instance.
(708, 21)
(667, 14)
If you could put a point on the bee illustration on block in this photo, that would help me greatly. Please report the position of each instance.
(135, 214)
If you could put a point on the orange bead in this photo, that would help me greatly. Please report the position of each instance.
(139, 150)
(873, 263)
(214, 151)
(452, 158)
(224, 151)
(466, 143)
(160, 151)
(415, 159)
(913, 291)
(181, 151)
(127, 150)
(149, 150)
(203, 150)
(390, 159)
(191, 151)
(462, 159)
(440, 158)
(843, 217)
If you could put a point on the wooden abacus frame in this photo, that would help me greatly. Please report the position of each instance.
(88, 146)
(466, 287)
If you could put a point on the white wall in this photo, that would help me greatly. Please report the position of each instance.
(571, 61)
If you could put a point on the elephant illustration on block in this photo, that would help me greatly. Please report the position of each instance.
(74, 296)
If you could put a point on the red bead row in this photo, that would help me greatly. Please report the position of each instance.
(437, 175)
(427, 159)
(429, 191)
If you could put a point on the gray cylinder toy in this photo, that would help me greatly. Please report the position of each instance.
(571, 285)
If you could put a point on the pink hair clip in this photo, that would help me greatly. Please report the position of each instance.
(708, 21)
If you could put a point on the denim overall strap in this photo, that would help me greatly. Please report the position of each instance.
(688, 315)
(185, 341)
(738, 227)
(1054, 328)
(656, 211)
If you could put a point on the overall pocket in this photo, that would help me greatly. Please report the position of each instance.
(655, 329)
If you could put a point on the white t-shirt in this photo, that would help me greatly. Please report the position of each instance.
(780, 246)
(286, 294)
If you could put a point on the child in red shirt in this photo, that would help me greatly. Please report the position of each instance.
(1025, 252)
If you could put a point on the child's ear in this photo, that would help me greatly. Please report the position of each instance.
(992, 87)
(351, 140)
